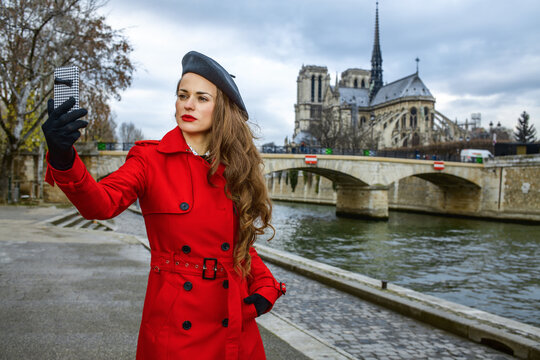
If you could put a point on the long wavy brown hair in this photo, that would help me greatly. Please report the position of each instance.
(231, 144)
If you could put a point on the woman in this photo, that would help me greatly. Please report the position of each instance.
(204, 200)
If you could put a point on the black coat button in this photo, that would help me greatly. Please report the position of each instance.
(188, 286)
(186, 249)
(225, 246)
(225, 322)
(184, 206)
(225, 284)
(186, 325)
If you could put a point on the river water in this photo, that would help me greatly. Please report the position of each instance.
(487, 265)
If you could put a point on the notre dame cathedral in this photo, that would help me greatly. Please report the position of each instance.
(367, 112)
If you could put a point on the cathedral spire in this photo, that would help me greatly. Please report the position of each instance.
(376, 59)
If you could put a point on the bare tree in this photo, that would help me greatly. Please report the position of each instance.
(129, 133)
(357, 137)
(328, 130)
(101, 126)
(331, 132)
(35, 37)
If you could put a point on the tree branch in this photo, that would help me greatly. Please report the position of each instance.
(32, 128)
(37, 31)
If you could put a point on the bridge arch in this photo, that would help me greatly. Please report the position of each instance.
(338, 177)
(448, 181)
(444, 193)
(354, 196)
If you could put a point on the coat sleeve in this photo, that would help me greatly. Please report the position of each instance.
(107, 198)
(262, 281)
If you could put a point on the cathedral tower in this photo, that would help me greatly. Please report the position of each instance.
(376, 60)
(312, 83)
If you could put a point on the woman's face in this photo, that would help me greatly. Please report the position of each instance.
(195, 101)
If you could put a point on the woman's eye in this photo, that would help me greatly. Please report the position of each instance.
(203, 99)
(182, 96)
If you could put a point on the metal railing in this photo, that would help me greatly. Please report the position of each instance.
(403, 154)
(317, 150)
(110, 146)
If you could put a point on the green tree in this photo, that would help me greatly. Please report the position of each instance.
(525, 132)
(35, 37)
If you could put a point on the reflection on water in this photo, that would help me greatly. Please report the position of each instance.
(487, 265)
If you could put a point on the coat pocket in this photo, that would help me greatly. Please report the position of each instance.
(162, 297)
(249, 312)
(169, 189)
(178, 203)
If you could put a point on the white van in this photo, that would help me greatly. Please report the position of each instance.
(472, 155)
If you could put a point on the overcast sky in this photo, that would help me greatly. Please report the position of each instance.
(475, 55)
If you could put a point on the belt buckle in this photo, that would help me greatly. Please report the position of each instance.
(205, 268)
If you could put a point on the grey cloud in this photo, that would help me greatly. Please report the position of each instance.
(455, 41)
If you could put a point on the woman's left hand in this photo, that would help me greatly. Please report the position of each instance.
(261, 304)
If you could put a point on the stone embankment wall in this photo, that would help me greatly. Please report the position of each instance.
(30, 177)
(53, 194)
(510, 190)
(520, 186)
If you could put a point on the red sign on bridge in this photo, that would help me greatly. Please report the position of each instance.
(311, 159)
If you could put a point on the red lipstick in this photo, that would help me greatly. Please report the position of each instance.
(188, 118)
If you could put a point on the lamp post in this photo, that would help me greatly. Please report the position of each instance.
(493, 135)
(495, 132)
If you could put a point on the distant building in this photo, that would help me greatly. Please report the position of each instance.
(401, 113)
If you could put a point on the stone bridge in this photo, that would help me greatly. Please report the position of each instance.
(362, 183)
(506, 189)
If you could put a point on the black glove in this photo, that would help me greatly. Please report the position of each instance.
(261, 304)
(61, 130)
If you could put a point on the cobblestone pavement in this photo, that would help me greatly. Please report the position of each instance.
(363, 329)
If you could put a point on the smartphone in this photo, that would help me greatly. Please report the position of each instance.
(66, 85)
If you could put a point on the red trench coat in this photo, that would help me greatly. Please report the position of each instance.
(194, 306)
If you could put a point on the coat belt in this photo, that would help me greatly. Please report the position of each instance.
(172, 262)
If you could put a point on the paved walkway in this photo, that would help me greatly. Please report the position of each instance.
(78, 294)
(75, 294)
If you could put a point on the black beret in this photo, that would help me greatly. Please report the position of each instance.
(209, 69)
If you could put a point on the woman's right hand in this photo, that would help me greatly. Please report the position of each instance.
(61, 130)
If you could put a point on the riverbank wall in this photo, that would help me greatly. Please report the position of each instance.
(510, 191)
